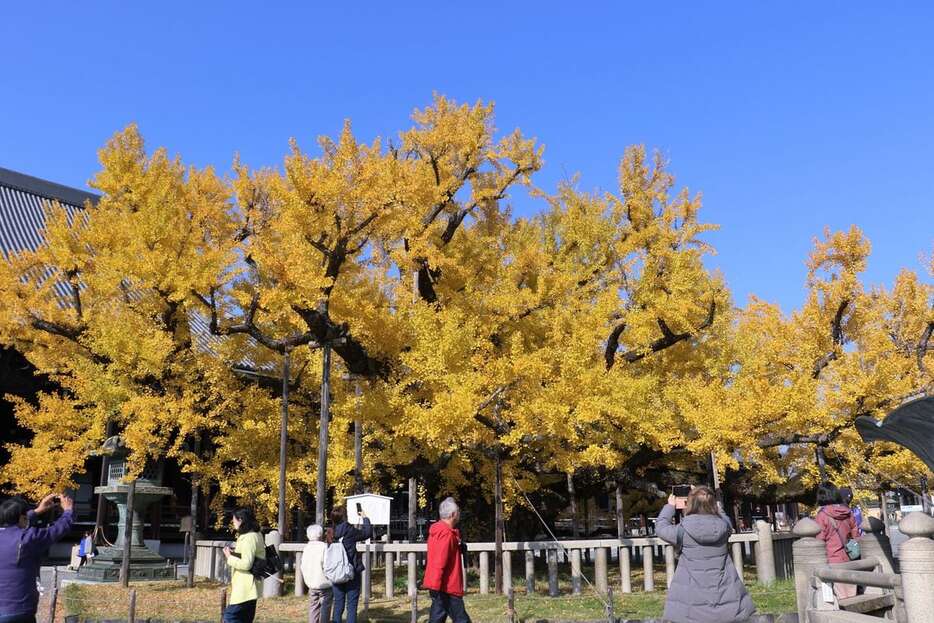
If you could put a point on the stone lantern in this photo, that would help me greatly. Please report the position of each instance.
(145, 564)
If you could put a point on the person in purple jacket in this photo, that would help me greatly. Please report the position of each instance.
(22, 546)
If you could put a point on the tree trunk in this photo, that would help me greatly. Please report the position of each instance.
(413, 507)
(572, 497)
(620, 516)
(321, 491)
(283, 442)
(499, 526)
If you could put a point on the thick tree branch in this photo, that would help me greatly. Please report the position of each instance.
(836, 334)
(667, 340)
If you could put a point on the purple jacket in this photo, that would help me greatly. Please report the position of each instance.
(21, 551)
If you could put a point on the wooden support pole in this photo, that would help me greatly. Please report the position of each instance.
(131, 615)
(529, 572)
(128, 536)
(390, 579)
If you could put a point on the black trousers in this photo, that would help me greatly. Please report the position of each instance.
(240, 613)
(444, 605)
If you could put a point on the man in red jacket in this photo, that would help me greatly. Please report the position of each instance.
(444, 576)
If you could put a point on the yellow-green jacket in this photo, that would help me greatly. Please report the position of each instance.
(243, 586)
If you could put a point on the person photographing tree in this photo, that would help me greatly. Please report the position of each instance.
(444, 576)
(705, 587)
(22, 546)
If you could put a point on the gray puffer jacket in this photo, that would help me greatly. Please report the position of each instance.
(706, 587)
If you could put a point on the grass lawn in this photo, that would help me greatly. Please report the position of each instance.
(170, 601)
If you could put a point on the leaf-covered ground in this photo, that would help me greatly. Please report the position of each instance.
(170, 601)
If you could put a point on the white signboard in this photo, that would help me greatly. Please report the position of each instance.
(376, 507)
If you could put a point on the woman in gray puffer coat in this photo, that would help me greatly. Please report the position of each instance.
(706, 587)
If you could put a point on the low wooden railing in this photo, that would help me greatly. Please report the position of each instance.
(762, 548)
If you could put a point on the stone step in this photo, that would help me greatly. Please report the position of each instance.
(840, 616)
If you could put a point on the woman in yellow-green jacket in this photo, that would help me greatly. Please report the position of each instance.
(244, 587)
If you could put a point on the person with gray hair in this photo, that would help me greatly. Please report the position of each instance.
(444, 575)
(312, 567)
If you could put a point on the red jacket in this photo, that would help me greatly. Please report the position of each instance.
(837, 526)
(443, 570)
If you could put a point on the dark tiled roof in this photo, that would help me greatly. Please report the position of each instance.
(23, 200)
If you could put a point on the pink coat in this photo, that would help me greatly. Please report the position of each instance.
(837, 527)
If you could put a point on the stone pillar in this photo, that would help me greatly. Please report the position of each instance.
(875, 542)
(765, 554)
(299, 579)
(625, 570)
(507, 572)
(669, 565)
(648, 568)
(529, 572)
(271, 585)
(600, 570)
(916, 559)
(576, 571)
(413, 574)
(552, 555)
(484, 573)
(738, 559)
(390, 576)
(808, 553)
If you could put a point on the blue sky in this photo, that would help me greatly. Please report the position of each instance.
(788, 117)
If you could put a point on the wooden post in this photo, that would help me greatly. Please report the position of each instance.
(53, 602)
(765, 554)
(648, 568)
(413, 509)
(609, 605)
(738, 559)
(529, 572)
(510, 606)
(321, 491)
(620, 517)
(499, 528)
(552, 555)
(131, 615)
(625, 570)
(414, 598)
(127, 536)
(576, 571)
(284, 441)
(223, 603)
(412, 575)
(367, 577)
(485, 573)
(390, 579)
(358, 441)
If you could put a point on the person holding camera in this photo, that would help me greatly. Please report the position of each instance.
(347, 594)
(706, 587)
(444, 573)
(22, 546)
(244, 586)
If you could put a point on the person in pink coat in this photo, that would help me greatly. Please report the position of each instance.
(837, 527)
